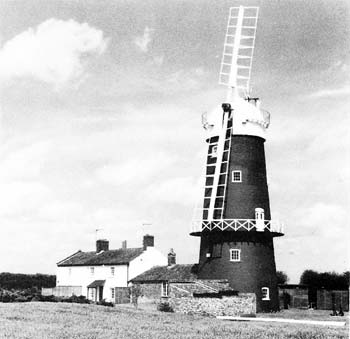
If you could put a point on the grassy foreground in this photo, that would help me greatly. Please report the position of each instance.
(75, 321)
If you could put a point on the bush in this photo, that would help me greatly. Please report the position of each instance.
(22, 299)
(76, 299)
(105, 303)
(7, 297)
(164, 307)
(45, 298)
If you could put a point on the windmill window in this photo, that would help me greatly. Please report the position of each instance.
(236, 176)
(214, 151)
(265, 291)
(165, 289)
(235, 255)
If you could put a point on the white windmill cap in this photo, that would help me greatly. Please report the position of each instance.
(248, 119)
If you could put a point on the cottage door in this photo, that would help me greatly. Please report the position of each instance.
(100, 293)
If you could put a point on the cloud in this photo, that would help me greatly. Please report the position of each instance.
(331, 92)
(142, 42)
(140, 169)
(181, 190)
(18, 198)
(54, 52)
(186, 80)
(158, 60)
(24, 162)
(323, 219)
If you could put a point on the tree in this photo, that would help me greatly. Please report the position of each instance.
(327, 280)
(282, 277)
(135, 292)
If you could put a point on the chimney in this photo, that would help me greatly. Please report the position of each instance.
(148, 241)
(171, 257)
(102, 245)
(124, 245)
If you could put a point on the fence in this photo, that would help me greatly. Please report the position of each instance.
(327, 298)
(62, 291)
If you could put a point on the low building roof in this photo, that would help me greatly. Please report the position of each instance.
(173, 273)
(185, 275)
(293, 286)
(111, 257)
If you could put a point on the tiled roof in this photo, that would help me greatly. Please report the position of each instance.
(174, 273)
(112, 257)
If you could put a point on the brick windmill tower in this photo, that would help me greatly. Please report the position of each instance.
(234, 221)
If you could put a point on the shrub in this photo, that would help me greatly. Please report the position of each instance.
(164, 307)
(22, 299)
(105, 303)
(7, 297)
(45, 298)
(76, 299)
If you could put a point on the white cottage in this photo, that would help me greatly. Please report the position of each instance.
(97, 274)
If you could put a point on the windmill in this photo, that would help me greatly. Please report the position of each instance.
(234, 221)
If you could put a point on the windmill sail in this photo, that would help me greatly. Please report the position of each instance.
(238, 51)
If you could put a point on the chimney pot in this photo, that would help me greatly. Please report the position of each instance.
(124, 245)
(148, 241)
(171, 257)
(102, 245)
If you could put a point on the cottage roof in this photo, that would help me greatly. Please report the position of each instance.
(111, 257)
(174, 273)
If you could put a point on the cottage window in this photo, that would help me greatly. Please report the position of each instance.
(112, 271)
(165, 288)
(92, 270)
(112, 293)
(265, 291)
(69, 271)
(235, 255)
(92, 294)
(236, 176)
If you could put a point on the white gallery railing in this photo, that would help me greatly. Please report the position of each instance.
(236, 225)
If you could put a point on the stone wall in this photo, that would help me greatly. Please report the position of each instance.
(150, 293)
(244, 303)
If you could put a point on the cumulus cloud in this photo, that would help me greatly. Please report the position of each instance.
(24, 162)
(142, 42)
(18, 198)
(331, 92)
(54, 52)
(134, 170)
(181, 190)
(186, 80)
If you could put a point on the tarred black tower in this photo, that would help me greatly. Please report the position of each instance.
(235, 223)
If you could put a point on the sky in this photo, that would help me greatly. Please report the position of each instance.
(100, 125)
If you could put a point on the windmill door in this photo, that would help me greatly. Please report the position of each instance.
(259, 219)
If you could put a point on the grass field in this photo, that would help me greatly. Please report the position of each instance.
(75, 321)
